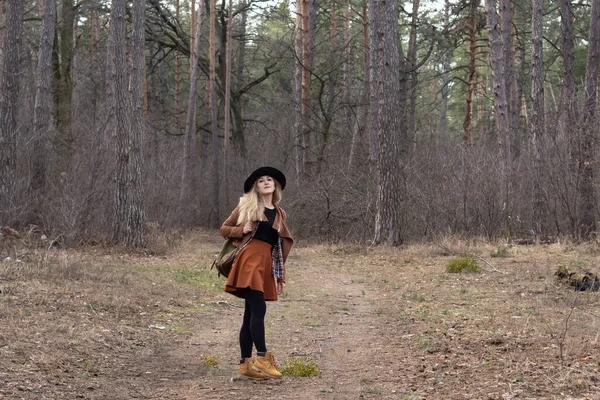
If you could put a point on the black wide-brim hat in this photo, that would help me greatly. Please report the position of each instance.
(264, 171)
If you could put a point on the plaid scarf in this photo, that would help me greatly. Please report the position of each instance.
(277, 261)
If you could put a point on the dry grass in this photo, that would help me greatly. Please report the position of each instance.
(100, 323)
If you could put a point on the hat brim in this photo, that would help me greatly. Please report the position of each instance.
(264, 171)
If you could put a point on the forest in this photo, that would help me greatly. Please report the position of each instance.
(393, 121)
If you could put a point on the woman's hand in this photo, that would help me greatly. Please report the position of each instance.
(247, 227)
(280, 287)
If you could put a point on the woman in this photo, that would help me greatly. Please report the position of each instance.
(258, 227)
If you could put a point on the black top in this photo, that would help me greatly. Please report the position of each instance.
(265, 231)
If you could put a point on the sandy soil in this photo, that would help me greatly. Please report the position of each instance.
(381, 324)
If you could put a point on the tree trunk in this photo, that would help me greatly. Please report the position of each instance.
(520, 106)
(2, 25)
(347, 59)
(65, 140)
(192, 31)
(498, 78)
(227, 110)
(117, 45)
(362, 115)
(298, 127)
(306, 75)
(92, 26)
(136, 215)
(41, 113)
(587, 216)
(214, 115)
(373, 93)
(411, 56)
(445, 80)
(190, 124)
(325, 131)
(178, 63)
(9, 107)
(511, 89)
(228, 66)
(481, 123)
(569, 89)
(242, 54)
(312, 20)
(538, 128)
(332, 50)
(94, 38)
(468, 122)
(387, 69)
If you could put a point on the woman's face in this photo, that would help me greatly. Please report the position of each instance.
(265, 185)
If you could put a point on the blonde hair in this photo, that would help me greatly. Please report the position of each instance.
(251, 205)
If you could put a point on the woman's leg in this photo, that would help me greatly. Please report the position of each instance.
(246, 334)
(265, 362)
(255, 302)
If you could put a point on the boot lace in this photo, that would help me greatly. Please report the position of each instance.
(271, 360)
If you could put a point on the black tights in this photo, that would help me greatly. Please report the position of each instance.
(253, 327)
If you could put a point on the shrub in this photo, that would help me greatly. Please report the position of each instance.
(462, 263)
(300, 367)
(210, 361)
(500, 252)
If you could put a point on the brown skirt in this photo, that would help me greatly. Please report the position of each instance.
(252, 269)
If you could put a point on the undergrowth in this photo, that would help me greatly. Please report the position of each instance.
(300, 367)
(462, 263)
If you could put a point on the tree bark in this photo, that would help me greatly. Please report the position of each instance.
(3, 25)
(228, 78)
(362, 114)
(538, 128)
(468, 121)
(9, 106)
(178, 63)
(312, 20)
(190, 124)
(117, 45)
(242, 54)
(332, 50)
(411, 56)
(587, 216)
(498, 78)
(373, 93)
(65, 140)
(93, 40)
(298, 126)
(306, 77)
(214, 116)
(136, 215)
(392, 137)
(445, 80)
(511, 88)
(569, 89)
(192, 31)
(92, 26)
(227, 107)
(41, 112)
(346, 69)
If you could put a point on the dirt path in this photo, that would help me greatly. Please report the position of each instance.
(326, 316)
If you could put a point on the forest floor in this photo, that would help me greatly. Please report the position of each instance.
(381, 323)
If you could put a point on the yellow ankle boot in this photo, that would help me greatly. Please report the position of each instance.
(247, 372)
(267, 365)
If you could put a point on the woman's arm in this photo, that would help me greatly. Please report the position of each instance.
(230, 229)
